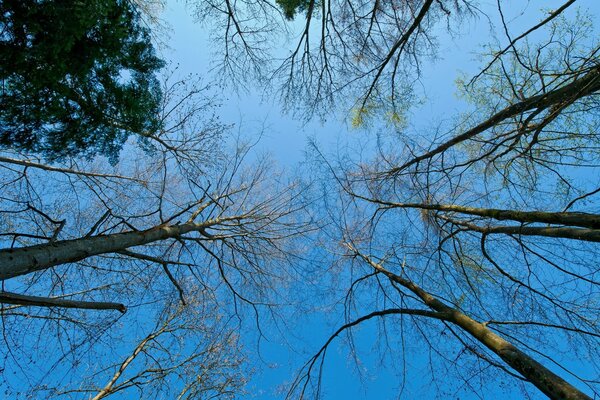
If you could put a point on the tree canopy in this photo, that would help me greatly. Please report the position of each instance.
(77, 77)
(292, 7)
(464, 241)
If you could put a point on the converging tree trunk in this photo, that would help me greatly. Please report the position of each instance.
(25, 260)
(547, 381)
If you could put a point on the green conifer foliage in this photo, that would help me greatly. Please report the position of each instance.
(78, 77)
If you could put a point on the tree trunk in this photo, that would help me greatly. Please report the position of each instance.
(24, 260)
(579, 88)
(545, 380)
(584, 220)
(589, 235)
(24, 300)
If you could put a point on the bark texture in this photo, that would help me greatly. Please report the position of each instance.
(545, 380)
(25, 260)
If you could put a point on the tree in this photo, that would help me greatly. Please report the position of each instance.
(362, 56)
(191, 353)
(136, 253)
(291, 7)
(474, 243)
(482, 241)
(77, 78)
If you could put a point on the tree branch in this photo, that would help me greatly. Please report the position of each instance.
(24, 300)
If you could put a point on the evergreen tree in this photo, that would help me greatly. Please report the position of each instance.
(77, 77)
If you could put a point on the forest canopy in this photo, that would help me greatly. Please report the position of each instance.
(444, 247)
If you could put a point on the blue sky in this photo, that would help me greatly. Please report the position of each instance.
(314, 309)
(285, 137)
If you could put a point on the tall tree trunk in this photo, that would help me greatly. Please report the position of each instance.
(589, 235)
(545, 380)
(24, 260)
(584, 220)
(24, 300)
(584, 86)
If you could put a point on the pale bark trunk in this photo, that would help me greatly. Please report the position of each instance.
(31, 164)
(108, 388)
(545, 380)
(584, 220)
(24, 260)
(24, 300)
(579, 88)
(585, 234)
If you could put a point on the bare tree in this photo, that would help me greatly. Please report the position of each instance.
(364, 56)
(174, 218)
(192, 352)
(482, 242)
(480, 238)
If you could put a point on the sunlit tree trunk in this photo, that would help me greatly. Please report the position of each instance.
(548, 382)
(24, 260)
